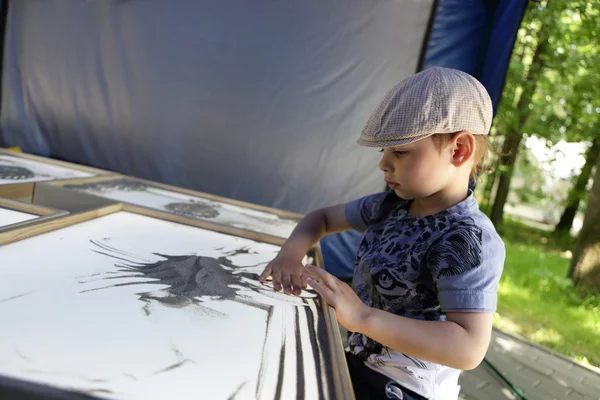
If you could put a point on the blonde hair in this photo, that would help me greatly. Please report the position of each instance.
(482, 146)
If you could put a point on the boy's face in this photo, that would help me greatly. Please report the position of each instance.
(419, 169)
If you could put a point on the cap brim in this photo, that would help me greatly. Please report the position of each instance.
(392, 142)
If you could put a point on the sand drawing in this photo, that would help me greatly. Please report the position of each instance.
(146, 195)
(21, 170)
(132, 306)
(15, 173)
(189, 278)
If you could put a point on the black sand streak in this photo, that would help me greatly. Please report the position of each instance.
(261, 371)
(172, 367)
(110, 255)
(281, 370)
(16, 297)
(243, 250)
(114, 250)
(146, 307)
(300, 384)
(314, 346)
(237, 391)
(15, 173)
(176, 351)
(23, 356)
(323, 344)
(98, 274)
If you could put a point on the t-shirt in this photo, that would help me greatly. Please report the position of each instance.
(422, 267)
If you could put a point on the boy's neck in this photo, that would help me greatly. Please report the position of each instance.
(438, 202)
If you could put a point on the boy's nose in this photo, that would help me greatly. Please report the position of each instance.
(385, 165)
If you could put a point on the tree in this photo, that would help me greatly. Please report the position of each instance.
(523, 75)
(577, 192)
(551, 76)
(585, 264)
(514, 137)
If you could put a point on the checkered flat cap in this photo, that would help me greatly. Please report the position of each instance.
(436, 100)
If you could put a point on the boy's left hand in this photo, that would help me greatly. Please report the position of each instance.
(350, 310)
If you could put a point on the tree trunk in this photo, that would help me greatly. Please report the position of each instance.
(487, 189)
(514, 137)
(510, 149)
(585, 265)
(576, 192)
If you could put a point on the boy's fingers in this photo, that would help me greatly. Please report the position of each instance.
(277, 280)
(287, 287)
(321, 275)
(265, 274)
(304, 284)
(322, 290)
(296, 284)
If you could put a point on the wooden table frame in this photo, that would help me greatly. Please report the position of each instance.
(341, 383)
(41, 194)
(43, 213)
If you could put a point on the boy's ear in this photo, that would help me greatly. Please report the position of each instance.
(463, 148)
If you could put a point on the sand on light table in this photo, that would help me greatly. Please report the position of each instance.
(21, 170)
(195, 207)
(129, 306)
(8, 216)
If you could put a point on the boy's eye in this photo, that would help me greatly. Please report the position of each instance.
(400, 152)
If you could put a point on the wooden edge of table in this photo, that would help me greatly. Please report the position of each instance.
(177, 189)
(32, 222)
(18, 191)
(58, 163)
(53, 224)
(29, 208)
(341, 374)
(225, 229)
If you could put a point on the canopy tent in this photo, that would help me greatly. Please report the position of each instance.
(260, 102)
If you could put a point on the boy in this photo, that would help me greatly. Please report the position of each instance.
(428, 265)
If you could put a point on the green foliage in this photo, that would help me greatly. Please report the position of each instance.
(537, 302)
(563, 105)
(532, 177)
(549, 90)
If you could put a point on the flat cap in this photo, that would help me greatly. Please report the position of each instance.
(436, 100)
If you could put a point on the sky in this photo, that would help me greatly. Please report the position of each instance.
(569, 156)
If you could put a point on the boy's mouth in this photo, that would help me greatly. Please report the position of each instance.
(392, 185)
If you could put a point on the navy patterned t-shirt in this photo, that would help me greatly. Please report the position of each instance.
(422, 267)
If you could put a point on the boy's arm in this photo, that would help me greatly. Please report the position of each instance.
(286, 268)
(459, 342)
(313, 227)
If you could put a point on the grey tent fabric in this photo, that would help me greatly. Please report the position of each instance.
(259, 101)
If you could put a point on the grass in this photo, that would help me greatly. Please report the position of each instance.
(538, 302)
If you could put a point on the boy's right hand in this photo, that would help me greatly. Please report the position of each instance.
(286, 271)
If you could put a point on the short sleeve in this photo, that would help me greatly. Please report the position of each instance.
(360, 212)
(466, 264)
